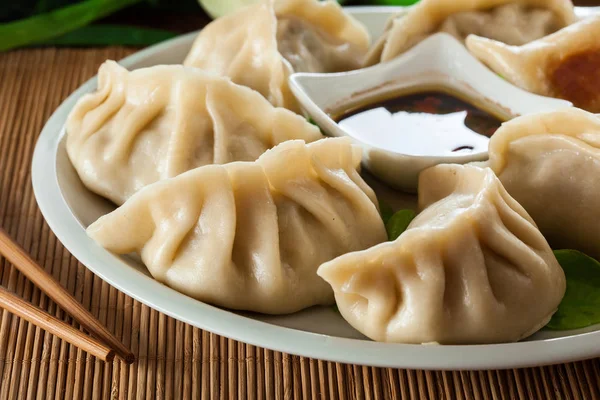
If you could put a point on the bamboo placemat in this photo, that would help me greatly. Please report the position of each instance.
(176, 360)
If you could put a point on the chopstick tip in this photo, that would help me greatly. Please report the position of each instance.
(129, 358)
(110, 356)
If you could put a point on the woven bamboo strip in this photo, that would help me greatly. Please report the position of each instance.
(21, 158)
(8, 367)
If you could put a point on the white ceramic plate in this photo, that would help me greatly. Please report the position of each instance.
(318, 332)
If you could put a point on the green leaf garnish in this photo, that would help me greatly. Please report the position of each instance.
(42, 27)
(394, 2)
(379, 2)
(111, 35)
(386, 211)
(398, 223)
(581, 305)
(312, 121)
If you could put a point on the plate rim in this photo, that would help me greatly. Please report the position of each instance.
(148, 291)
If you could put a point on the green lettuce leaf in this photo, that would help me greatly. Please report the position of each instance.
(581, 305)
(398, 223)
(386, 211)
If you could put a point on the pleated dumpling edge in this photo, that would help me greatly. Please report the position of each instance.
(251, 235)
(471, 268)
(513, 21)
(153, 123)
(260, 45)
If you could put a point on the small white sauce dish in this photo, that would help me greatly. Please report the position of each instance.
(439, 61)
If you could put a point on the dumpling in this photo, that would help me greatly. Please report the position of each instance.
(565, 64)
(318, 36)
(511, 21)
(550, 163)
(260, 45)
(251, 235)
(154, 123)
(471, 268)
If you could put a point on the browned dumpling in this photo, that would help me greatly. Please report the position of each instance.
(565, 64)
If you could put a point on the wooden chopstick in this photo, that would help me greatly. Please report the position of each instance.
(14, 304)
(46, 282)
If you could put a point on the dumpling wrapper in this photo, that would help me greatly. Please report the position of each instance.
(471, 268)
(565, 64)
(261, 45)
(511, 21)
(154, 123)
(251, 235)
(550, 163)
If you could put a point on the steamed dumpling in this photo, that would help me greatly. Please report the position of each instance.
(511, 21)
(550, 163)
(260, 45)
(565, 64)
(154, 123)
(251, 235)
(471, 268)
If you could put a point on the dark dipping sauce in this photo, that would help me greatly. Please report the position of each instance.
(425, 123)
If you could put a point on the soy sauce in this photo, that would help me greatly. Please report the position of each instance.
(424, 123)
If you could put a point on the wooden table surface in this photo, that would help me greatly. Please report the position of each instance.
(176, 360)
